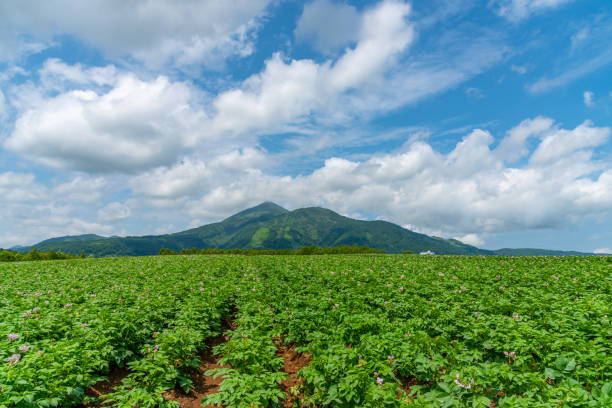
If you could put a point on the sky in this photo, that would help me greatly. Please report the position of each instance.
(485, 121)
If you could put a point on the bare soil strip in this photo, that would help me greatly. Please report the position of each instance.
(292, 363)
(203, 385)
(114, 379)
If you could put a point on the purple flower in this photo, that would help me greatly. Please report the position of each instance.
(13, 336)
(68, 305)
(83, 324)
(379, 381)
(24, 348)
(14, 359)
(466, 386)
(36, 309)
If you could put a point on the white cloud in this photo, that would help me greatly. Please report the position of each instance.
(516, 10)
(83, 189)
(512, 147)
(519, 69)
(562, 143)
(376, 75)
(469, 190)
(588, 98)
(328, 25)
(603, 251)
(101, 119)
(114, 212)
(20, 187)
(55, 73)
(32, 212)
(289, 91)
(133, 126)
(189, 177)
(471, 239)
(155, 32)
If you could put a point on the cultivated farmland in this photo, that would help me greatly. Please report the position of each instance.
(312, 331)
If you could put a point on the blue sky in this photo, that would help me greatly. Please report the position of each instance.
(489, 122)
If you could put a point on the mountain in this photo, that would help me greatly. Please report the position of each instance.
(73, 238)
(269, 226)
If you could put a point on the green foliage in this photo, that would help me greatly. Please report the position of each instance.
(12, 256)
(381, 331)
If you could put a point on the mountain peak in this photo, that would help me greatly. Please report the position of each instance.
(264, 210)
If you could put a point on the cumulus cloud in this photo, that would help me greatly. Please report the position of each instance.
(328, 25)
(83, 189)
(513, 147)
(135, 125)
(32, 212)
(516, 10)
(471, 239)
(189, 177)
(154, 32)
(604, 251)
(114, 212)
(470, 190)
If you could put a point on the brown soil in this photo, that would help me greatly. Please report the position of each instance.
(203, 385)
(408, 382)
(114, 379)
(292, 363)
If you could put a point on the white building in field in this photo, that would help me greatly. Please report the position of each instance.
(427, 253)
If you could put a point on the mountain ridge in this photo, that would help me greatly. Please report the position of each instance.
(270, 226)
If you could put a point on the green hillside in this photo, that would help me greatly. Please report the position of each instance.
(268, 226)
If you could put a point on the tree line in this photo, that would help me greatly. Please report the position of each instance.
(307, 250)
(6, 255)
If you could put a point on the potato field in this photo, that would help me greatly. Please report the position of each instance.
(307, 331)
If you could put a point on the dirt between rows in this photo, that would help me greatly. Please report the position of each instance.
(292, 363)
(203, 385)
(114, 379)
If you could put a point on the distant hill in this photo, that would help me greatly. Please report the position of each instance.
(269, 226)
(537, 251)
